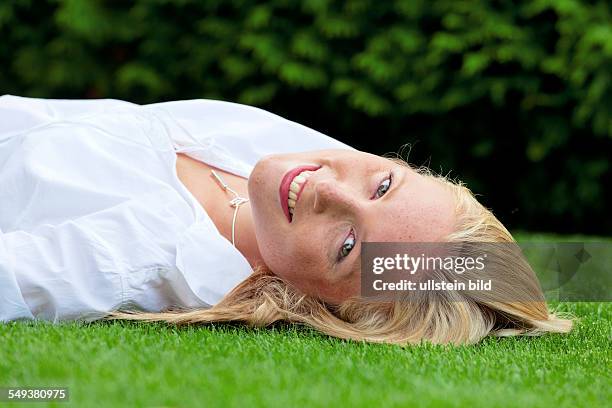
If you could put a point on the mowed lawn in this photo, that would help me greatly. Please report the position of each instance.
(152, 364)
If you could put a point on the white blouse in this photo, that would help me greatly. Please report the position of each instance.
(93, 217)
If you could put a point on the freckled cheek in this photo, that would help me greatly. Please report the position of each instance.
(298, 255)
(295, 254)
(304, 265)
(273, 246)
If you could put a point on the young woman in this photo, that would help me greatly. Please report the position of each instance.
(207, 211)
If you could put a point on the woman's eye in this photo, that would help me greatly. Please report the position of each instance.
(384, 186)
(347, 246)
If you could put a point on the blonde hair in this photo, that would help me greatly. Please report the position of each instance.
(437, 317)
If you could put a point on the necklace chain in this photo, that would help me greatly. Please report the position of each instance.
(235, 202)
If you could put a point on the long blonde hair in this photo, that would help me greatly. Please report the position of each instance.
(437, 317)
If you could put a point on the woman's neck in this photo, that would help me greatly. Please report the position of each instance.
(198, 179)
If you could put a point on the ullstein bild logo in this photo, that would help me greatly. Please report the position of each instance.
(503, 271)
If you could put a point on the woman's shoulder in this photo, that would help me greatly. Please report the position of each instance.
(234, 137)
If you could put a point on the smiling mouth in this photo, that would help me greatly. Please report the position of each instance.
(291, 188)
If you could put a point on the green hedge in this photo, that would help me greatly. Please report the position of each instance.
(514, 96)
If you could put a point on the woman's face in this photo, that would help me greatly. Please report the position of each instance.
(344, 198)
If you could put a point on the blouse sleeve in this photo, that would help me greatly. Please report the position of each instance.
(19, 113)
(83, 269)
(56, 273)
(123, 257)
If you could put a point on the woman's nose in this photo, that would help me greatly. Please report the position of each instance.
(328, 195)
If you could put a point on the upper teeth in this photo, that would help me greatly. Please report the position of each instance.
(295, 187)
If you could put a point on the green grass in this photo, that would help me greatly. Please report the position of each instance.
(136, 364)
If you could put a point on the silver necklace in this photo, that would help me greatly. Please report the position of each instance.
(235, 202)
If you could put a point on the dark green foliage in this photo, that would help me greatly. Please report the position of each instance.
(514, 96)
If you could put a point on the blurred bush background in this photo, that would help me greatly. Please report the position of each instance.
(513, 97)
